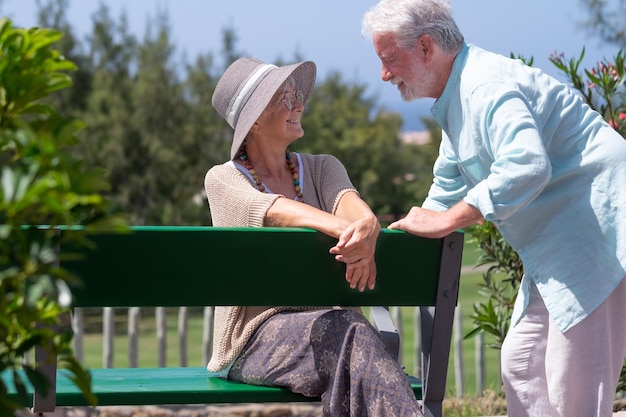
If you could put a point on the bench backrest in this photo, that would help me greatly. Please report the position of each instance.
(206, 266)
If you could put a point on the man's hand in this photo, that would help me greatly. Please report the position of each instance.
(437, 224)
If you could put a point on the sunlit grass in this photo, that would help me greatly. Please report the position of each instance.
(490, 403)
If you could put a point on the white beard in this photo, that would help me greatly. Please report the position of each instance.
(420, 87)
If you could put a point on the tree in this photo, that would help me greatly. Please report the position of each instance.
(206, 138)
(109, 134)
(157, 183)
(605, 19)
(150, 128)
(137, 118)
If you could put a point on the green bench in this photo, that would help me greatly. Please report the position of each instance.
(200, 266)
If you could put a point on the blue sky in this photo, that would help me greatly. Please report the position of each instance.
(328, 32)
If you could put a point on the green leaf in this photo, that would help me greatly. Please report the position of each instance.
(20, 386)
(28, 344)
(81, 377)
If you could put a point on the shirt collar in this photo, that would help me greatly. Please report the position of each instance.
(438, 110)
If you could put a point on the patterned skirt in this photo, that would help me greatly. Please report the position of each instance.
(335, 354)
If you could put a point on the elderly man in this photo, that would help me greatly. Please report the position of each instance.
(523, 151)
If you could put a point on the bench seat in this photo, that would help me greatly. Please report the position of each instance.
(161, 386)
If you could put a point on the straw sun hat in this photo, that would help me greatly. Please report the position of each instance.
(247, 87)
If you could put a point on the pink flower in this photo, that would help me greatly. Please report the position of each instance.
(622, 116)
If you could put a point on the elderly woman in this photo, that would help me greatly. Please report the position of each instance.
(332, 353)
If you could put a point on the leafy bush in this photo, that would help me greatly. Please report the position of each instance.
(41, 188)
(500, 282)
(603, 89)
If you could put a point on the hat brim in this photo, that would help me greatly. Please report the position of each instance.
(303, 73)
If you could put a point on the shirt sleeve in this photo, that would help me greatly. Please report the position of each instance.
(513, 166)
(233, 200)
(448, 186)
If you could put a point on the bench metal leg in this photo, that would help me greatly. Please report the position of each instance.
(41, 403)
(387, 329)
(437, 327)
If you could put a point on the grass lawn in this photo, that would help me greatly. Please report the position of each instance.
(148, 355)
(468, 296)
(148, 344)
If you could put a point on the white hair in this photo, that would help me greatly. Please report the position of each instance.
(410, 19)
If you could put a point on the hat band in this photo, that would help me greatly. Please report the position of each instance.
(245, 93)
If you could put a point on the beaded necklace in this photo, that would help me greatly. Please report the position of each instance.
(243, 157)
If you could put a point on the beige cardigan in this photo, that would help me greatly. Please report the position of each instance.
(235, 202)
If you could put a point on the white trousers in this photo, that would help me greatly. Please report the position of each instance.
(547, 373)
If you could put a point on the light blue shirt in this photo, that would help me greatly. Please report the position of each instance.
(545, 168)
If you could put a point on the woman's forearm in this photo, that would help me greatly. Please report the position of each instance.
(289, 213)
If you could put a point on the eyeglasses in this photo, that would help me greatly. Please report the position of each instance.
(291, 97)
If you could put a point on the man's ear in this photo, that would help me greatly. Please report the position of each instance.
(425, 48)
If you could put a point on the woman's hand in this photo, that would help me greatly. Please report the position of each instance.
(356, 248)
